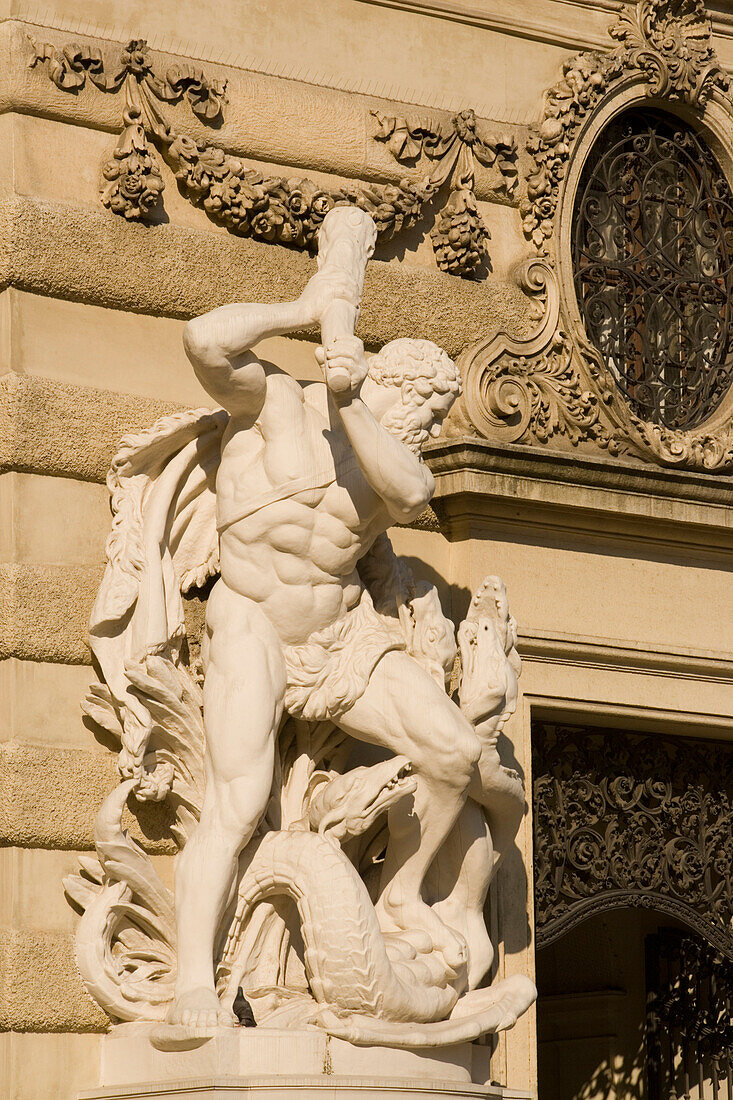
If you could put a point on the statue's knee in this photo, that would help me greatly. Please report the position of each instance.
(461, 755)
(453, 754)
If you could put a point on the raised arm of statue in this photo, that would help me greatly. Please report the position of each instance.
(219, 343)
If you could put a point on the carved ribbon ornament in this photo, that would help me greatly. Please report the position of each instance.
(276, 209)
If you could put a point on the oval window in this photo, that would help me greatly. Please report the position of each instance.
(652, 256)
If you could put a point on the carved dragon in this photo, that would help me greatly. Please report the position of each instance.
(356, 982)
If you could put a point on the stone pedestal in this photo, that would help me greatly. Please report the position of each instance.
(267, 1064)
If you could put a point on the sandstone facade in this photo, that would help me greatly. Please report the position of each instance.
(614, 549)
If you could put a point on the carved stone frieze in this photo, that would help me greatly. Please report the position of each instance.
(69, 66)
(131, 181)
(276, 209)
(555, 383)
(280, 210)
(626, 820)
(460, 235)
(666, 43)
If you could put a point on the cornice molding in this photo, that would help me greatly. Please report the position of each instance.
(568, 495)
(518, 18)
(35, 15)
(521, 20)
(624, 656)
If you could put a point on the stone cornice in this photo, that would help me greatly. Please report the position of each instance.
(674, 511)
(624, 656)
(575, 24)
(541, 20)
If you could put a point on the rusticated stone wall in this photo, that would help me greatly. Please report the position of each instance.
(612, 568)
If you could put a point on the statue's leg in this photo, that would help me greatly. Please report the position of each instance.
(466, 864)
(458, 882)
(405, 710)
(243, 689)
(501, 792)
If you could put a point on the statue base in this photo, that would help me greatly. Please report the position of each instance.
(270, 1064)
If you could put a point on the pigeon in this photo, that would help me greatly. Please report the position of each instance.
(243, 1010)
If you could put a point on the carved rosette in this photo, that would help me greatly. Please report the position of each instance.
(553, 386)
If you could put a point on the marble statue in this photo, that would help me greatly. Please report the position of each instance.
(333, 889)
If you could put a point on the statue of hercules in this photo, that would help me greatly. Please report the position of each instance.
(310, 479)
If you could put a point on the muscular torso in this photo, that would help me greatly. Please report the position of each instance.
(295, 511)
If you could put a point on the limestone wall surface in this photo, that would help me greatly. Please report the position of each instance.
(616, 573)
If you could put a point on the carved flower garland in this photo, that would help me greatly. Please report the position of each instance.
(275, 209)
(282, 210)
(460, 235)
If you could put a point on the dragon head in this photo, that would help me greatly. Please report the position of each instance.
(489, 660)
(349, 804)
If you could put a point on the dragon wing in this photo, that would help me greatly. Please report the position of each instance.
(163, 542)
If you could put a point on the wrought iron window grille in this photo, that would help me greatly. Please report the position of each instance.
(652, 249)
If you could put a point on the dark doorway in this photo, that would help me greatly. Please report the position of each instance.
(633, 906)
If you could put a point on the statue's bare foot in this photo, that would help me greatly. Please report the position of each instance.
(200, 1008)
(416, 916)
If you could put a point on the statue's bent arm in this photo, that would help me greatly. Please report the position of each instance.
(389, 581)
(219, 346)
(403, 482)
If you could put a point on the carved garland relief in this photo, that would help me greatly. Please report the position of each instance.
(279, 210)
(556, 384)
(550, 387)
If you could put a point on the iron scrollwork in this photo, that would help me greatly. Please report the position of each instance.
(689, 1028)
(653, 260)
(623, 820)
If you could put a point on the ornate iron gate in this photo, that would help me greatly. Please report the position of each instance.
(629, 820)
(689, 1033)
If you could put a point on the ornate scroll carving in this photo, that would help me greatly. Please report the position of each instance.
(665, 42)
(279, 210)
(460, 235)
(555, 383)
(670, 41)
(626, 820)
(514, 389)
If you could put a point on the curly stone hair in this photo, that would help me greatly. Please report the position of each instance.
(428, 370)
(418, 361)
